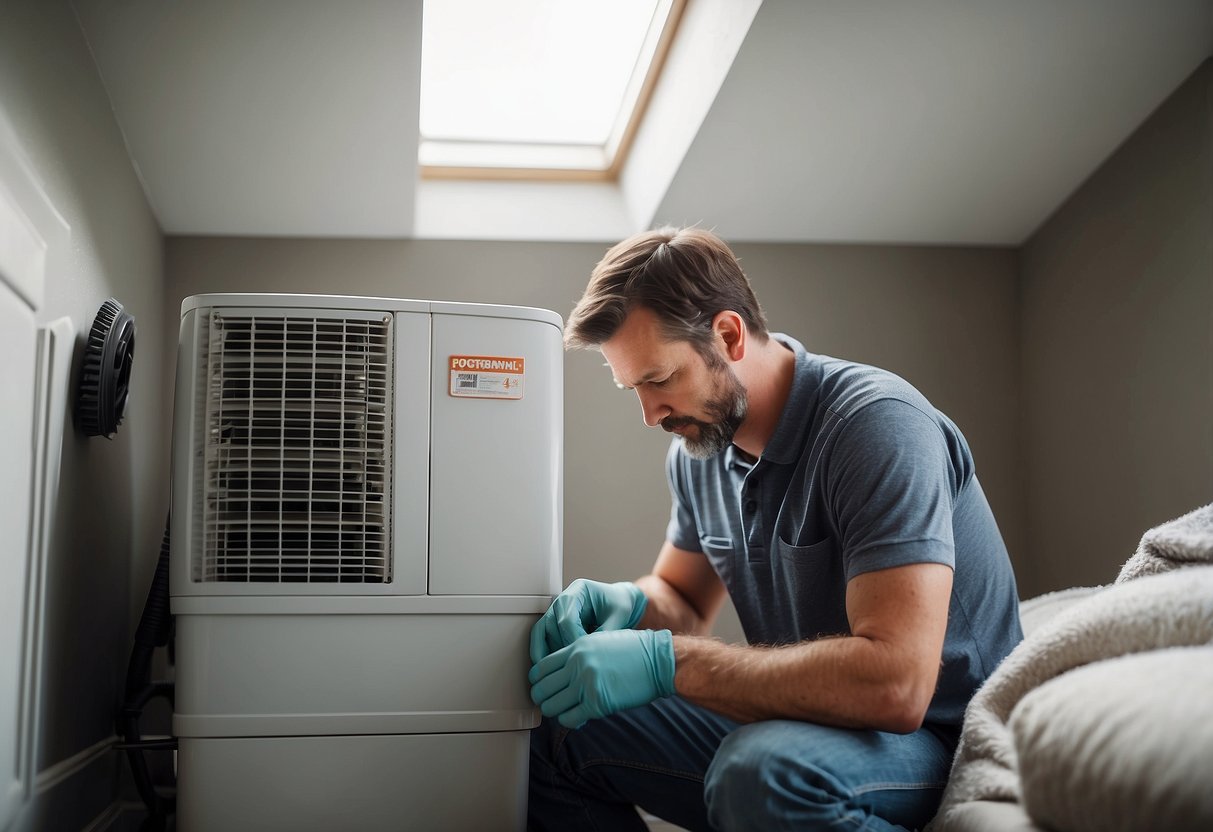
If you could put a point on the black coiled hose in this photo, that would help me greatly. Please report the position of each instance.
(155, 628)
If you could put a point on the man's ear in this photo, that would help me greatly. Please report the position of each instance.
(730, 329)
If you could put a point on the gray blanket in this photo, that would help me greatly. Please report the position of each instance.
(1146, 610)
(1185, 541)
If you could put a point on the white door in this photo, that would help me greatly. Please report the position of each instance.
(34, 377)
(21, 252)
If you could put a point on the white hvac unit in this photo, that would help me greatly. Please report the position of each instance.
(366, 522)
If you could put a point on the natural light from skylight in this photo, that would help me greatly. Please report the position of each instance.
(534, 84)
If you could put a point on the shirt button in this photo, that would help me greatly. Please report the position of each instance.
(750, 506)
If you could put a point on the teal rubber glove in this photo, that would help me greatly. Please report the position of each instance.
(585, 607)
(602, 673)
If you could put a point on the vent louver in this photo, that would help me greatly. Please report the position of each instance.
(297, 448)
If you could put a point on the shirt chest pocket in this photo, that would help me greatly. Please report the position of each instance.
(825, 549)
(814, 576)
(810, 568)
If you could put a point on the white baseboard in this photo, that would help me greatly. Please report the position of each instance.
(656, 824)
(106, 819)
(52, 776)
(75, 793)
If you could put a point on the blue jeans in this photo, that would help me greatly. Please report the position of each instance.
(700, 770)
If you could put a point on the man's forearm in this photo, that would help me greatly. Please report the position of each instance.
(667, 609)
(847, 681)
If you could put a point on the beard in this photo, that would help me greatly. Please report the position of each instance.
(727, 410)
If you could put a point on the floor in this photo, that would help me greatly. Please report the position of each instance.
(132, 821)
(133, 818)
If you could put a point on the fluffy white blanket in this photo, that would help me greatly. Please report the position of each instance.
(1185, 541)
(1171, 609)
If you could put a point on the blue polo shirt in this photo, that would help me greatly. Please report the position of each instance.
(861, 474)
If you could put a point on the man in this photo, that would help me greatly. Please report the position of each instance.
(840, 512)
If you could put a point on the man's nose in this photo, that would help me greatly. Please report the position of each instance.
(652, 408)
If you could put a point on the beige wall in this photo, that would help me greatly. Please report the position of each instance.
(1117, 344)
(944, 318)
(112, 500)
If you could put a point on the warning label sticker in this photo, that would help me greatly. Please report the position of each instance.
(486, 377)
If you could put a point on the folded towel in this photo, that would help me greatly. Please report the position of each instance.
(1184, 541)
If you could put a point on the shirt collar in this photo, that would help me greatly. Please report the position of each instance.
(734, 457)
(786, 442)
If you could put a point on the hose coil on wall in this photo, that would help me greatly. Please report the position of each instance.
(105, 376)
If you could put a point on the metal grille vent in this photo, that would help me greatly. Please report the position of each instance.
(297, 457)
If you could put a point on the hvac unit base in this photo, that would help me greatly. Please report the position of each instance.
(369, 783)
(310, 674)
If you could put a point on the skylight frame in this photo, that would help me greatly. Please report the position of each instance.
(483, 160)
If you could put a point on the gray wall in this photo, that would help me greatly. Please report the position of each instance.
(1095, 338)
(112, 498)
(1117, 345)
(943, 318)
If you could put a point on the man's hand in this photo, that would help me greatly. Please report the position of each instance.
(602, 673)
(586, 606)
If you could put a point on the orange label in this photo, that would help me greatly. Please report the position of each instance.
(486, 377)
(485, 364)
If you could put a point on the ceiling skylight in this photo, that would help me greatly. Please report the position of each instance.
(549, 88)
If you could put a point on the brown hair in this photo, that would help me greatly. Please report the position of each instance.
(684, 275)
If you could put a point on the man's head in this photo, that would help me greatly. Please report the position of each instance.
(669, 309)
(683, 275)
(703, 402)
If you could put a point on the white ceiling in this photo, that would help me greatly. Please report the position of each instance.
(915, 121)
